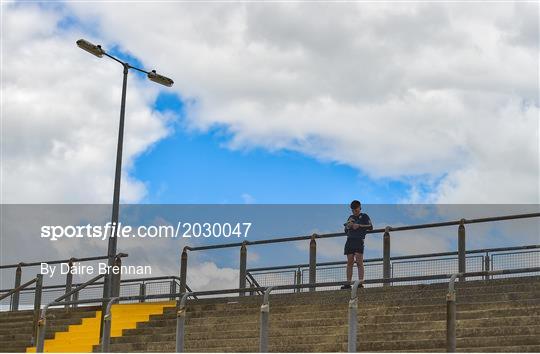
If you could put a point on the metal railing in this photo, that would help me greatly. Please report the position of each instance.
(419, 264)
(128, 287)
(38, 280)
(265, 307)
(461, 252)
(14, 301)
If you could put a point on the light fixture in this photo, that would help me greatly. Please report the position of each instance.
(160, 79)
(91, 48)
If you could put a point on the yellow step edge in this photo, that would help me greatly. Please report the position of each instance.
(82, 337)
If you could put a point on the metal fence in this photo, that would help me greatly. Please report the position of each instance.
(128, 287)
(244, 279)
(405, 266)
(515, 260)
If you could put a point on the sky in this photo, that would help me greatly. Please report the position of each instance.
(273, 103)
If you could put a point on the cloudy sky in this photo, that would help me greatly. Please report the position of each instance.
(272, 102)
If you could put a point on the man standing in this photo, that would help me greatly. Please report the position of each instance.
(356, 227)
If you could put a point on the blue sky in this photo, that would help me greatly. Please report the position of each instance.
(197, 167)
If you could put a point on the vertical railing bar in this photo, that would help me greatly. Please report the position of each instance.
(37, 306)
(451, 316)
(312, 261)
(243, 267)
(386, 255)
(461, 249)
(180, 323)
(69, 281)
(106, 336)
(264, 321)
(15, 296)
(183, 270)
(352, 336)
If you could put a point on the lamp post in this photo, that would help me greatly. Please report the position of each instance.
(153, 76)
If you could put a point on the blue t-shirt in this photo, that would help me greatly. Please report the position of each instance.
(362, 219)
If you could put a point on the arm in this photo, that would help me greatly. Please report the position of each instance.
(369, 225)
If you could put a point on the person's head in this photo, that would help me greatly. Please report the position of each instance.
(356, 207)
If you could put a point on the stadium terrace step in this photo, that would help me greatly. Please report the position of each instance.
(492, 316)
(391, 318)
(83, 336)
(16, 327)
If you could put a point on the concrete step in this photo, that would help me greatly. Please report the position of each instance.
(424, 299)
(50, 319)
(373, 294)
(148, 328)
(374, 317)
(468, 344)
(343, 307)
(441, 343)
(503, 349)
(364, 335)
(54, 312)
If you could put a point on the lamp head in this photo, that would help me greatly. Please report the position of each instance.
(90, 48)
(160, 79)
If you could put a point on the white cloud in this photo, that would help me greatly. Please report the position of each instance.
(248, 198)
(60, 114)
(207, 276)
(426, 92)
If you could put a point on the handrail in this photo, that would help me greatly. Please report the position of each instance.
(264, 321)
(33, 264)
(323, 284)
(19, 288)
(61, 286)
(80, 287)
(451, 314)
(181, 322)
(252, 281)
(106, 336)
(134, 280)
(395, 258)
(374, 231)
(353, 317)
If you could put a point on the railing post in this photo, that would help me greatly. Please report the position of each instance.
(298, 279)
(312, 261)
(243, 267)
(69, 282)
(142, 291)
(106, 336)
(37, 305)
(180, 323)
(183, 270)
(172, 289)
(451, 316)
(115, 281)
(265, 314)
(486, 266)
(353, 318)
(15, 296)
(461, 249)
(42, 326)
(386, 255)
(75, 297)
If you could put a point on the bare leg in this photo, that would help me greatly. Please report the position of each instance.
(350, 262)
(360, 265)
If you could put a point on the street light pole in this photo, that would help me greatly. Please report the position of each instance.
(111, 249)
(96, 50)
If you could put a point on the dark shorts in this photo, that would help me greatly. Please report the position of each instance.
(354, 245)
